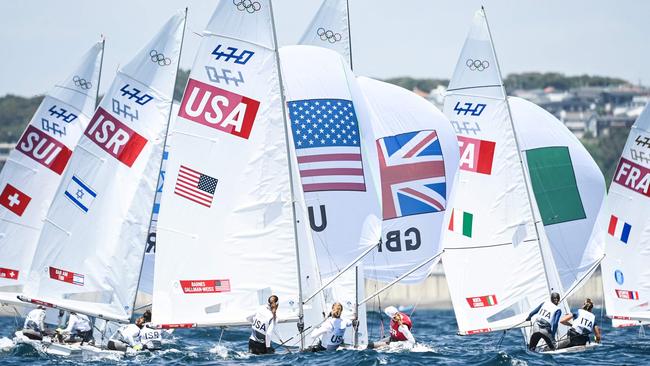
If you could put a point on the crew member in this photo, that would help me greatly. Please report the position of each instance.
(400, 329)
(582, 325)
(127, 336)
(262, 326)
(332, 330)
(34, 327)
(79, 329)
(545, 319)
(150, 336)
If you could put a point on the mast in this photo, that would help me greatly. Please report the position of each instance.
(301, 323)
(347, 5)
(99, 78)
(521, 163)
(171, 106)
(355, 326)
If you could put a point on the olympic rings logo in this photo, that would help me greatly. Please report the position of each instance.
(328, 35)
(159, 58)
(477, 65)
(81, 82)
(247, 5)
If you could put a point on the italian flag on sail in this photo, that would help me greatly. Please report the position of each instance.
(461, 222)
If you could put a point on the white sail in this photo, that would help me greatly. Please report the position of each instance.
(328, 114)
(568, 190)
(415, 152)
(625, 271)
(330, 28)
(223, 248)
(90, 251)
(492, 257)
(34, 169)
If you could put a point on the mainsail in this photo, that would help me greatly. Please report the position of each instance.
(330, 28)
(227, 227)
(625, 271)
(493, 259)
(90, 251)
(34, 169)
(414, 152)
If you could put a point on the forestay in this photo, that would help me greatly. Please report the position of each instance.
(35, 167)
(90, 252)
(627, 230)
(226, 238)
(492, 257)
(327, 116)
(568, 190)
(414, 150)
(330, 28)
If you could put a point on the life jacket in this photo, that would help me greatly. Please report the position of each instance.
(261, 324)
(546, 312)
(395, 334)
(332, 340)
(151, 337)
(584, 323)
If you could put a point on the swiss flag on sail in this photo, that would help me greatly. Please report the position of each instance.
(13, 199)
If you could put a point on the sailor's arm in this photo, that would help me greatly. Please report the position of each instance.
(597, 333)
(566, 320)
(555, 321)
(269, 331)
(41, 321)
(534, 311)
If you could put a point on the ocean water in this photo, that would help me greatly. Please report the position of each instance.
(434, 330)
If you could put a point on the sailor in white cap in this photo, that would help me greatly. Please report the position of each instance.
(400, 328)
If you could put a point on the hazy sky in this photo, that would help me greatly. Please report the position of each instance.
(42, 40)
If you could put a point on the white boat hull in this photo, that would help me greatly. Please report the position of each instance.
(574, 349)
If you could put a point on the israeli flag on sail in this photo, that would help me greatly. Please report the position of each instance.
(80, 194)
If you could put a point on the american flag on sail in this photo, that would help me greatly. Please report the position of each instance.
(196, 187)
(412, 171)
(328, 146)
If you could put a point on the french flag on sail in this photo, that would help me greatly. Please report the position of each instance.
(619, 229)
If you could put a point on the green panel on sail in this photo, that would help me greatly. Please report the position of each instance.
(554, 185)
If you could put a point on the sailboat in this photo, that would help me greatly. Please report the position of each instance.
(34, 169)
(230, 231)
(534, 235)
(626, 235)
(90, 250)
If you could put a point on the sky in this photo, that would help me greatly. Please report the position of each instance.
(43, 40)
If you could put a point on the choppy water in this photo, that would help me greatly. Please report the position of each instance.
(435, 330)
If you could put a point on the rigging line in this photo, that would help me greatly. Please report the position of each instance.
(491, 245)
(402, 277)
(329, 282)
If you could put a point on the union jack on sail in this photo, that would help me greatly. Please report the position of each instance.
(412, 171)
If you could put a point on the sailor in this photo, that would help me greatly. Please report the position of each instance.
(150, 336)
(262, 326)
(582, 325)
(400, 329)
(79, 329)
(127, 336)
(332, 331)
(34, 327)
(545, 319)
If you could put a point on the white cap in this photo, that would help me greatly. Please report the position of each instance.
(391, 311)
